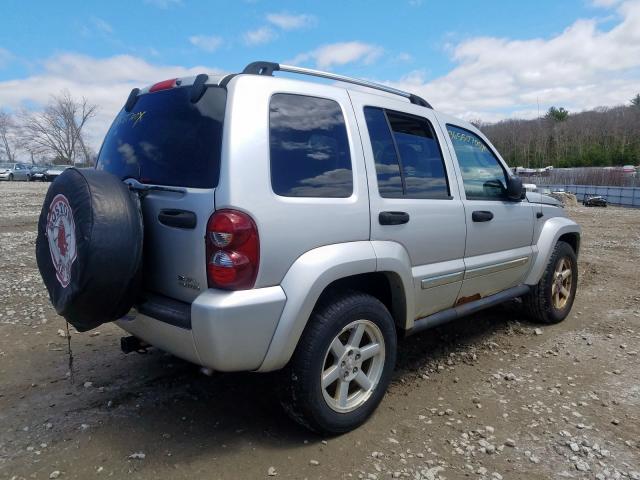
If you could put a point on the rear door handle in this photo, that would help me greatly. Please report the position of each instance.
(172, 217)
(481, 216)
(393, 218)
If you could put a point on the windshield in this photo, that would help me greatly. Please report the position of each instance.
(167, 140)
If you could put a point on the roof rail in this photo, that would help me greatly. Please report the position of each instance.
(267, 68)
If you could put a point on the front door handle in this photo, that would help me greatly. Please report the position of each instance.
(393, 218)
(481, 216)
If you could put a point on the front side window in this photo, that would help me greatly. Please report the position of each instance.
(309, 147)
(408, 159)
(482, 174)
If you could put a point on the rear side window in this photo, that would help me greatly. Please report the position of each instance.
(408, 159)
(309, 147)
(167, 140)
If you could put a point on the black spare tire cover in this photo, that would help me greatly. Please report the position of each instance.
(89, 247)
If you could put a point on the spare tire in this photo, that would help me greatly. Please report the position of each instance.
(89, 247)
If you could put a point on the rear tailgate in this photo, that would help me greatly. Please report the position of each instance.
(174, 249)
(172, 146)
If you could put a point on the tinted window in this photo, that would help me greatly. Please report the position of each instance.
(309, 147)
(384, 154)
(167, 140)
(408, 158)
(482, 174)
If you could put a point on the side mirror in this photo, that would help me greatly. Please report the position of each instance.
(515, 192)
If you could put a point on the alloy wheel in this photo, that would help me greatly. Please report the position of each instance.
(562, 282)
(353, 366)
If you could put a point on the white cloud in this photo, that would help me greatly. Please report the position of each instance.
(604, 3)
(103, 81)
(259, 36)
(164, 4)
(5, 57)
(287, 21)
(404, 57)
(208, 43)
(102, 25)
(580, 68)
(342, 53)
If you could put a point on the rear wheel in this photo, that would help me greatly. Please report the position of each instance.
(342, 365)
(550, 301)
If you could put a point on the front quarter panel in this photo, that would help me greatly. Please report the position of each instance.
(552, 229)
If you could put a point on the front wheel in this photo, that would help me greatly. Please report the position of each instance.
(11, 177)
(342, 364)
(550, 301)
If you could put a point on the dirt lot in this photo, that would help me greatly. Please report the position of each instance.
(484, 397)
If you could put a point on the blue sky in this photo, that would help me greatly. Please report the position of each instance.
(159, 31)
(489, 60)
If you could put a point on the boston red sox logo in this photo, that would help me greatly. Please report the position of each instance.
(61, 232)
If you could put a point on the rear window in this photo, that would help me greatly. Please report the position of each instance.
(167, 140)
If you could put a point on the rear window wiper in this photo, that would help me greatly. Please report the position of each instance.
(141, 187)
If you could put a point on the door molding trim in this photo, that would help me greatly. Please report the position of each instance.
(496, 267)
(439, 280)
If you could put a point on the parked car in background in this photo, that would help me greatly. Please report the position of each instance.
(52, 173)
(37, 173)
(14, 171)
(594, 201)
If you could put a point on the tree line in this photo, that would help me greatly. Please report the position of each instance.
(606, 136)
(55, 134)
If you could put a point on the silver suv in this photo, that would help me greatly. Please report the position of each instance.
(299, 225)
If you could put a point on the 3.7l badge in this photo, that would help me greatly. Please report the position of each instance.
(188, 282)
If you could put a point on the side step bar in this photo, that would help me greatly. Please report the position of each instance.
(466, 309)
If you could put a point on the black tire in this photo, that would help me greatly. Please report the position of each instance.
(11, 177)
(89, 247)
(302, 395)
(538, 303)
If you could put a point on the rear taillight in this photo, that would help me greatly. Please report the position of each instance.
(233, 250)
(164, 85)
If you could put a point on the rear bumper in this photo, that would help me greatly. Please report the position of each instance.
(230, 331)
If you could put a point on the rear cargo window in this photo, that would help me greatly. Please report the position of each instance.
(309, 147)
(167, 140)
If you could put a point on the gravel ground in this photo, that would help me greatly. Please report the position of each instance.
(490, 396)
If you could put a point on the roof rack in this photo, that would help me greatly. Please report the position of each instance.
(267, 68)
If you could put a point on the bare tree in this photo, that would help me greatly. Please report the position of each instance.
(8, 140)
(57, 130)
